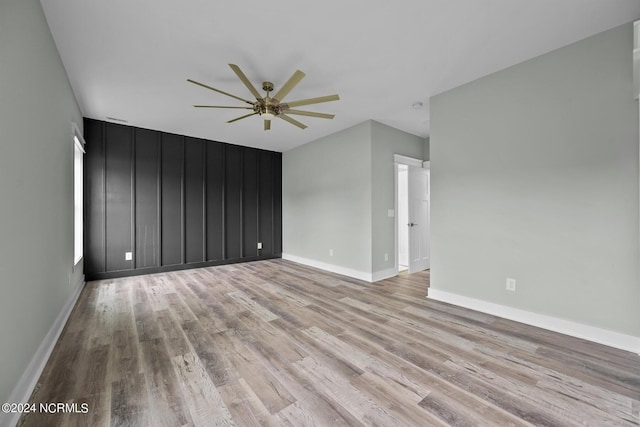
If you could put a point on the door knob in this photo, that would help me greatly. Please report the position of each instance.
(411, 224)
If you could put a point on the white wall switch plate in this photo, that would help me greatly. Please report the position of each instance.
(128, 256)
(259, 245)
(330, 252)
(391, 213)
(386, 257)
(511, 284)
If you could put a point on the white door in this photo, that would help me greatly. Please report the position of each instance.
(419, 257)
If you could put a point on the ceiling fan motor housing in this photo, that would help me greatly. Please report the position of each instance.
(267, 107)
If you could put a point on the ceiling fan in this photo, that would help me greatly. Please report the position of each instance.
(269, 107)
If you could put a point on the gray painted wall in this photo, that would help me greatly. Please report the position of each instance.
(336, 193)
(326, 199)
(535, 177)
(37, 107)
(425, 150)
(385, 142)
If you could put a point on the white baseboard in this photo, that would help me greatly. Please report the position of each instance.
(555, 324)
(22, 391)
(360, 275)
(384, 274)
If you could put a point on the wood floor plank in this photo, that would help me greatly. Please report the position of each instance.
(203, 399)
(204, 346)
(124, 348)
(94, 389)
(342, 390)
(172, 333)
(295, 415)
(196, 301)
(156, 287)
(413, 390)
(248, 367)
(322, 409)
(144, 315)
(281, 344)
(244, 300)
(436, 373)
(245, 407)
(99, 321)
(166, 402)
(129, 402)
(393, 396)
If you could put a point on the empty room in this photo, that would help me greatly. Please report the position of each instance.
(418, 213)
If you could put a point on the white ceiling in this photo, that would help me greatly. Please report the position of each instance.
(130, 59)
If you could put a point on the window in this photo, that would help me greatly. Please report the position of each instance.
(78, 170)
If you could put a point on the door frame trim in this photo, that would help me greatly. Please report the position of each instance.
(406, 160)
(399, 159)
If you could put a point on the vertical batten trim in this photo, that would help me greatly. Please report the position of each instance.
(159, 194)
(133, 249)
(273, 203)
(183, 201)
(205, 199)
(223, 163)
(258, 207)
(104, 195)
(241, 236)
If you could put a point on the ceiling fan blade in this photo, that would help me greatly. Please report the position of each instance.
(310, 114)
(245, 80)
(267, 124)
(219, 91)
(290, 84)
(292, 121)
(221, 106)
(309, 101)
(242, 117)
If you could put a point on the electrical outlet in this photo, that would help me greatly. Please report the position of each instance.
(386, 257)
(259, 245)
(330, 252)
(511, 284)
(128, 256)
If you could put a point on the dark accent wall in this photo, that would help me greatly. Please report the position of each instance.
(176, 202)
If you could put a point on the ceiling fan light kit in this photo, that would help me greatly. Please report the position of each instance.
(271, 107)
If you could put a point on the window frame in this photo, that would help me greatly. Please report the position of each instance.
(78, 191)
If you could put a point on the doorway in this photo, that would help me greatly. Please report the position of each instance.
(402, 231)
(413, 222)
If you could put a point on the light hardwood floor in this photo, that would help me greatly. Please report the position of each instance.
(277, 343)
